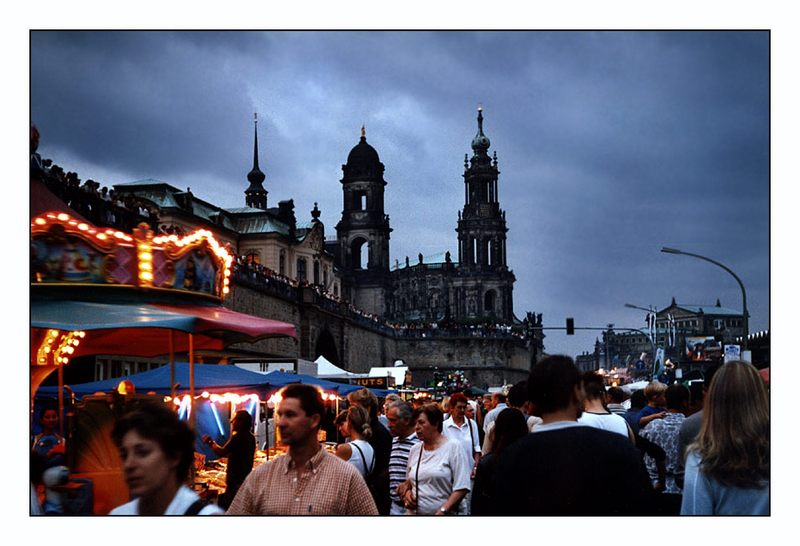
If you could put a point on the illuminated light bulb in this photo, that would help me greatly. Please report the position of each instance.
(63, 217)
(65, 360)
(102, 236)
(147, 266)
(83, 227)
(40, 221)
(47, 349)
(145, 276)
(205, 394)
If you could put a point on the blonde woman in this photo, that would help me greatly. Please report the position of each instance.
(727, 468)
(357, 451)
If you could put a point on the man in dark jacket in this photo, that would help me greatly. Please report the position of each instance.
(563, 467)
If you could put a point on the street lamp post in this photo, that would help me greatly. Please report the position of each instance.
(668, 250)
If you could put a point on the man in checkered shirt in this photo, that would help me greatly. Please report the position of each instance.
(308, 480)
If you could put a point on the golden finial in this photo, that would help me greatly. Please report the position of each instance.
(363, 132)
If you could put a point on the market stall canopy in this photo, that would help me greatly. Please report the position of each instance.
(475, 391)
(284, 378)
(328, 370)
(397, 372)
(214, 378)
(143, 329)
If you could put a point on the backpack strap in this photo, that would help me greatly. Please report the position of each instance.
(372, 467)
(195, 508)
(471, 436)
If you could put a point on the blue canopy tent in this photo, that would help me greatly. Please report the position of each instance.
(214, 378)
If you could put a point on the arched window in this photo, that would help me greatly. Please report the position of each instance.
(359, 254)
(301, 269)
(316, 272)
(489, 301)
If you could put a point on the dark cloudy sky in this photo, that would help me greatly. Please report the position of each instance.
(610, 144)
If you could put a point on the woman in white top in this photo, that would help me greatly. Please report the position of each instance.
(157, 450)
(438, 470)
(357, 451)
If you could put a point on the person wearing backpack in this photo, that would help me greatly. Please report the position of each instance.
(357, 450)
(381, 442)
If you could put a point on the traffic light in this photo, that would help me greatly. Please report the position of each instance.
(570, 326)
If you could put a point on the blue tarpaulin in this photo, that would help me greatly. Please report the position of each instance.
(214, 378)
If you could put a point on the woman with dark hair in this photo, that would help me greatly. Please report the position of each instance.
(357, 451)
(240, 450)
(438, 470)
(49, 444)
(727, 468)
(157, 451)
(509, 426)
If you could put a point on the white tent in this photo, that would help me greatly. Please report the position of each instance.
(327, 370)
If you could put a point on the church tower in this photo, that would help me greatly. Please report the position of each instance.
(486, 284)
(255, 194)
(363, 232)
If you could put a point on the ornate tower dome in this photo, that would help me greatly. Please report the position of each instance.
(481, 142)
(363, 161)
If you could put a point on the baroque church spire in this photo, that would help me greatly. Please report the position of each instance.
(255, 194)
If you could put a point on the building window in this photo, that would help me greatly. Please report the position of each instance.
(360, 200)
(358, 253)
(301, 269)
(325, 276)
(316, 272)
(282, 263)
(489, 300)
(252, 258)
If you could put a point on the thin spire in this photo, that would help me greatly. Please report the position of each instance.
(480, 119)
(255, 145)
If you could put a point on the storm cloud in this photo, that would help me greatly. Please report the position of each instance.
(610, 144)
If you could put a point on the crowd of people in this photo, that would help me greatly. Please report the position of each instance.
(551, 446)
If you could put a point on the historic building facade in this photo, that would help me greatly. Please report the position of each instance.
(477, 287)
(437, 315)
(272, 237)
(679, 328)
